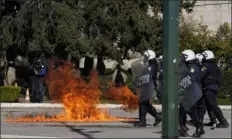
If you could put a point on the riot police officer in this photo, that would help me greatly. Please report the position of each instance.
(211, 83)
(38, 71)
(190, 61)
(213, 119)
(146, 106)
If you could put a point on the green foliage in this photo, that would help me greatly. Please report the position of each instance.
(224, 102)
(9, 94)
(223, 41)
(105, 82)
(196, 36)
(226, 84)
(105, 27)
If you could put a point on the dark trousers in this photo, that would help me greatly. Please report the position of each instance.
(37, 90)
(159, 90)
(182, 116)
(159, 96)
(201, 108)
(144, 108)
(193, 113)
(211, 102)
(211, 115)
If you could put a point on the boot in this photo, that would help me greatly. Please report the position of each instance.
(158, 119)
(142, 117)
(140, 124)
(202, 131)
(211, 123)
(223, 124)
(197, 133)
(155, 114)
(199, 129)
(183, 131)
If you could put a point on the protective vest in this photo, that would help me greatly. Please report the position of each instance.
(195, 73)
(212, 77)
(40, 71)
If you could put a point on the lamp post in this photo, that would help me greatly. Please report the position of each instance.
(171, 49)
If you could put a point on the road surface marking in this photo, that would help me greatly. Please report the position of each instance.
(21, 136)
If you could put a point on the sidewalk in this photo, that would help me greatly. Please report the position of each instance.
(50, 105)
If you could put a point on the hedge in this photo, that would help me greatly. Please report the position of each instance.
(9, 93)
(226, 90)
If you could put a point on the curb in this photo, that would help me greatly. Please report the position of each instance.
(50, 105)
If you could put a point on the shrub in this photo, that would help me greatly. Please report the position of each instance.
(9, 93)
(226, 89)
(104, 81)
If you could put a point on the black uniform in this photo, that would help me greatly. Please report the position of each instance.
(159, 86)
(146, 106)
(211, 84)
(193, 112)
(37, 84)
(201, 109)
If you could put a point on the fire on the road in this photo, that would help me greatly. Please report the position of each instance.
(124, 96)
(78, 97)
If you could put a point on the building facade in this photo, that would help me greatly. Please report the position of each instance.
(211, 13)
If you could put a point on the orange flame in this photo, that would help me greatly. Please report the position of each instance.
(78, 97)
(124, 96)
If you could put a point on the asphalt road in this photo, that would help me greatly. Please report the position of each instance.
(92, 130)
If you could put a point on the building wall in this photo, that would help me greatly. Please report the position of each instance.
(211, 13)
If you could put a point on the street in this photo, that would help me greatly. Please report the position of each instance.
(92, 130)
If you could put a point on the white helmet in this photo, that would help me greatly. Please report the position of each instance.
(199, 56)
(189, 55)
(208, 55)
(150, 54)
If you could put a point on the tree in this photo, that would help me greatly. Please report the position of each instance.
(223, 42)
(125, 24)
(46, 26)
(196, 36)
(103, 27)
(224, 31)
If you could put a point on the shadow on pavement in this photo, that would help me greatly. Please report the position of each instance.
(132, 121)
(159, 132)
(80, 131)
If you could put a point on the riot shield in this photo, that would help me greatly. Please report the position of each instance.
(143, 79)
(189, 90)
